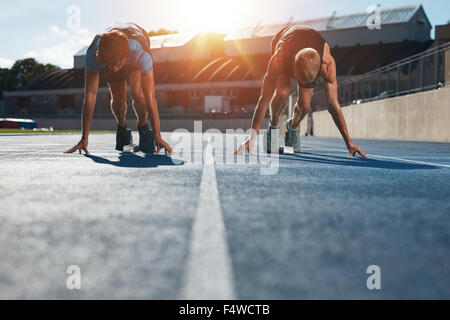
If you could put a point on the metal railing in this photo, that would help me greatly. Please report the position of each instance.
(420, 72)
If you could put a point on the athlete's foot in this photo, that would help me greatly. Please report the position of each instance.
(146, 140)
(292, 137)
(273, 139)
(123, 138)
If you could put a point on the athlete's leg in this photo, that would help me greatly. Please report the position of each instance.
(119, 102)
(139, 103)
(146, 136)
(302, 106)
(278, 103)
(119, 109)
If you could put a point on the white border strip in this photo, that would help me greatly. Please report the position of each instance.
(384, 157)
(209, 273)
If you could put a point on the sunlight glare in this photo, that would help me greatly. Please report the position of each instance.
(211, 15)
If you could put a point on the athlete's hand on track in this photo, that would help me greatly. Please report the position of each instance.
(247, 145)
(81, 146)
(353, 149)
(161, 144)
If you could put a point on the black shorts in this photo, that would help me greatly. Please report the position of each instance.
(310, 85)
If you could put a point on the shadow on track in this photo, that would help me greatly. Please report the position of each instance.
(356, 162)
(131, 160)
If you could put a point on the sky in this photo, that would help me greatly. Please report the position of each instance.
(52, 31)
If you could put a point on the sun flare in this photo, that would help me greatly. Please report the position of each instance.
(211, 15)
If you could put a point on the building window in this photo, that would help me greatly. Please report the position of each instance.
(66, 102)
(23, 103)
(231, 93)
(193, 94)
(43, 99)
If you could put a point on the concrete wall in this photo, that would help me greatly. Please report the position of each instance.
(235, 48)
(391, 33)
(422, 116)
(447, 66)
(78, 62)
(188, 52)
(442, 34)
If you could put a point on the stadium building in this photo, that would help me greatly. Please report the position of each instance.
(198, 74)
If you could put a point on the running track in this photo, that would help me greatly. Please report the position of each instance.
(152, 228)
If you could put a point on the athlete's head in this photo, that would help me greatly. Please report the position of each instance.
(113, 50)
(306, 66)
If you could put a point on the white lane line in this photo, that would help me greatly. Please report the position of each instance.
(209, 273)
(437, 157)
(384, 157)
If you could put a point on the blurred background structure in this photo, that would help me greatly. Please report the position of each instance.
(214, 76)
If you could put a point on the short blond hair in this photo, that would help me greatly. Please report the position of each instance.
(307, 65)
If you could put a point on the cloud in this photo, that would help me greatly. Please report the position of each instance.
(61, 54)
(40, 39)
(53, 32)
(6, 63)
(57, 30)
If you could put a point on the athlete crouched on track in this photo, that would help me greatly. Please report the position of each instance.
(300, 53)
(124, 50)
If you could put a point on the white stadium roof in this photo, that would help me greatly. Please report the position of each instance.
(171, 40)
(157, 42)
(399, 15)
(357, 20)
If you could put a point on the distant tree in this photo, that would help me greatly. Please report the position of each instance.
(38, 70)
(15, 79)
(3, 74)
(161, 32)
(22, 72)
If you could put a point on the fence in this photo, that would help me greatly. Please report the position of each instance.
(421, 72)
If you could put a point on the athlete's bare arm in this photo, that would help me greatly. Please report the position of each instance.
(328, 72)
(148, 87)
(90, 98)
(267, 92)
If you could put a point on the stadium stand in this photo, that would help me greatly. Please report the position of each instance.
(189, 67)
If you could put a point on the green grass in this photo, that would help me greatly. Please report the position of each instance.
(10, 131)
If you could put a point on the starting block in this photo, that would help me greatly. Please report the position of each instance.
(286, 150)
(130, 147)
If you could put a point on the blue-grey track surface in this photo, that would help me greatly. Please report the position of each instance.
(307, 232)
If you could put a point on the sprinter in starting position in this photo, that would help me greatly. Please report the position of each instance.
(124, 50)
(300, 53)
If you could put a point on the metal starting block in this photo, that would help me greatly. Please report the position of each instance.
(131, 148)
(286, 150)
